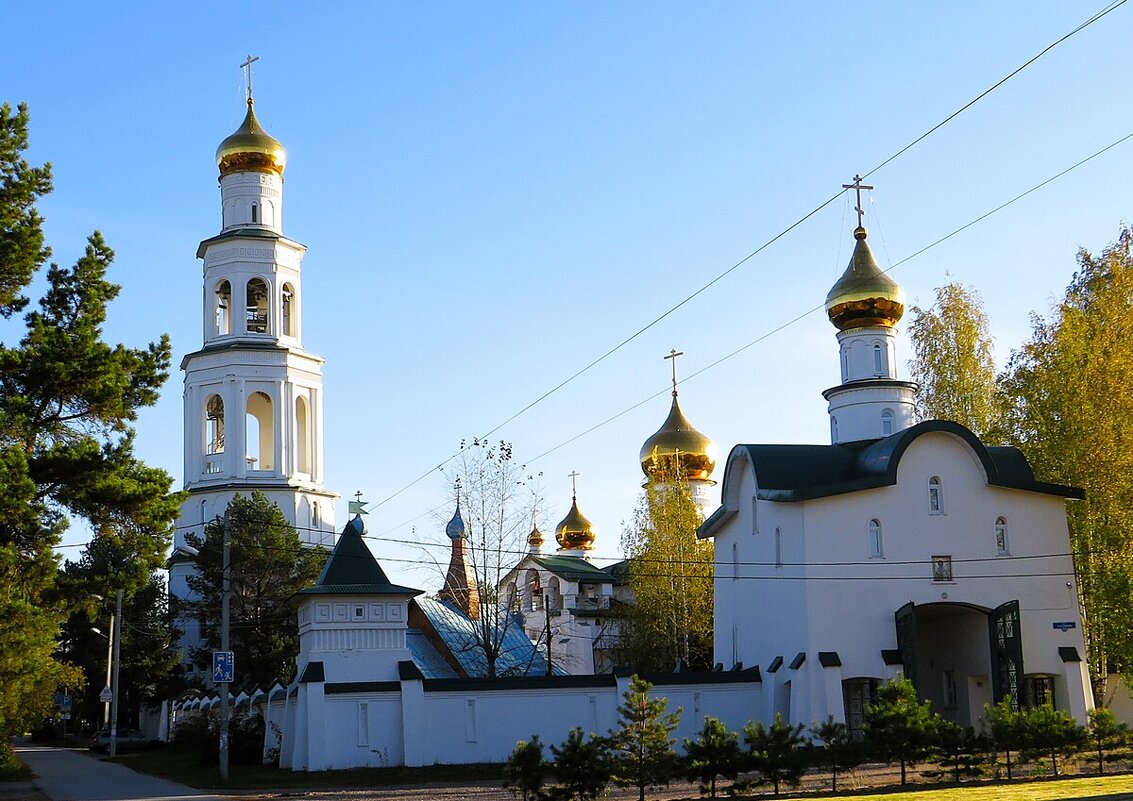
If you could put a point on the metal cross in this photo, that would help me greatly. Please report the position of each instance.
(247, 67)
(573, 486)
(858, 186)
(673, 354)
(358, 495)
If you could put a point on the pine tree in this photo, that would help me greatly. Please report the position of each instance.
(67, 404)
(900, 726)
(525, 770)
(839, 750)
(715, 752)
(641, 748)
(778, 751)
(1108, 737)
(269, 565)
(581, 768)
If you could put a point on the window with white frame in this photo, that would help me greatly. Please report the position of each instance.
(1001, 544)
(878, 361)
(935, 496)
(876, 547)
(886, 422)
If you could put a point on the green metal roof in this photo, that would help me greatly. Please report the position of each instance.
(574, 568)
(353, 570)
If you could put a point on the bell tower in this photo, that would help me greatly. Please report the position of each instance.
(253, 397)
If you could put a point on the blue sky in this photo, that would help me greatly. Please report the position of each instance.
(496, 194)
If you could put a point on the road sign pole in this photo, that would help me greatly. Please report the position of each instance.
(109, 668)
(225, 603)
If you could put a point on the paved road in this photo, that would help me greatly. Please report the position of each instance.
(68, 774)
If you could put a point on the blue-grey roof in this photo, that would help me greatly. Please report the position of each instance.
(518, 655)
(431, 664)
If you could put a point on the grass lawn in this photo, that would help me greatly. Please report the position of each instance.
(1111, 788)
(185, 767)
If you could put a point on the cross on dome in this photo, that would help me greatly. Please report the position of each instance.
(247, 67)
(858, 186)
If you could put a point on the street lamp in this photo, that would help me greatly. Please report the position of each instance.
(109, 666)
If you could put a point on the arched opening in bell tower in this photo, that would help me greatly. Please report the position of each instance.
(259, 431)
(288, 297)
(256, 315)
(222, 313)
(214, 434)
(302, 435)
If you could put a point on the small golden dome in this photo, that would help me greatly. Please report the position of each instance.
(864, 296)
(575, 533)
(678, 448)
(251, 149)
(535, 538)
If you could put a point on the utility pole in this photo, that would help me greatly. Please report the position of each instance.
(547, 614)
(116, 635)
(225, 603)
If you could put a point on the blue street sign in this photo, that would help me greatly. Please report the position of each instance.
(1066, 626)
(223, 667)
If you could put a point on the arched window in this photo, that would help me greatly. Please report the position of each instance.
(554, 595)
(259, 440)
(1001, 544)
(302, 435)
(316, 518)
(878, 362)
(256, 307)
(876, 547)
(833, 429)
(288, 317)
(778, 547)
(204, 512)
(886, 422)
(735, 561)
(222, 313)
(935, 496)
(534, 591)
(255, 212)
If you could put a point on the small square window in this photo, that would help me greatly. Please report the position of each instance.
(942, 568)
(359, 612)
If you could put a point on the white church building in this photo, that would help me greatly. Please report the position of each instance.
(897, 549)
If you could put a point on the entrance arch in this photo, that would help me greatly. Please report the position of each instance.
(951, 653)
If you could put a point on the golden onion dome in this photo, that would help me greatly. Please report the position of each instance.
(864, 296)
(575, 533)
(535, 538)
(251, 149)
(678, 449)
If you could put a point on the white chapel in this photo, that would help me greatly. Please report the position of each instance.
(253, 399)
(899, 548)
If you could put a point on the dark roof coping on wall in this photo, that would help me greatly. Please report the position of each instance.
(792, 473)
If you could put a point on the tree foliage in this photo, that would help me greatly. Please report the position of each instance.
(67, 404)
(1107, 737)
(839, 752)
(715, 752)
(498, 500)
(581, 768)
(900, 726)
(1069, 408)
(779, 751)
(525, 771)
(268, 566)
(952, 360)
(641, 748)
(671, 574)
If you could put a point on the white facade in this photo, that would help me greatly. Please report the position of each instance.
(927, 517)
(870, 402)
(253, 397)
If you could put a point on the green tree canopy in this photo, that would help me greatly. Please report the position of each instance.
(778, 751)
(900, 726)
(1068, 406)
(952, 360)
(641, 748)
(671, 574)
(715, 752)
(67, 404)
(268, 566)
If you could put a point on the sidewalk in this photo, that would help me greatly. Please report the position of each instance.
(70, 774)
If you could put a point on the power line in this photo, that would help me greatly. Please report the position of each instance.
(1079, 28)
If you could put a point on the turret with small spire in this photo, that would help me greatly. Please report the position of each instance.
(460, 586)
